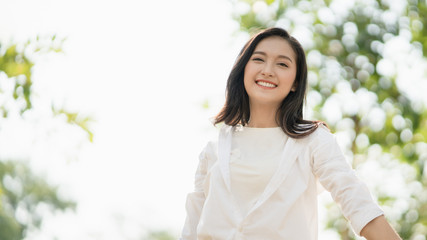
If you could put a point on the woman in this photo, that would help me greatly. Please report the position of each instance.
(260, 180)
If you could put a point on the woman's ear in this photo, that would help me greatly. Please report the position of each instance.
(294, 87)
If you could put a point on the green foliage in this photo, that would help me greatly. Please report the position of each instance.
(16, 67)
(418, 16)
(345, 55)
(24, 196)
(159, 235)
(76, 118)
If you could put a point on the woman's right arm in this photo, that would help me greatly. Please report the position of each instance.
(379, 229)
(195, 199)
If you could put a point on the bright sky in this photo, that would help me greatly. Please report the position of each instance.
(142, 69)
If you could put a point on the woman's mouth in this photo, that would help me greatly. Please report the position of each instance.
(265, 84)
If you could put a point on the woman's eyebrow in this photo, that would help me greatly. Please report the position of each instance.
(280, 56)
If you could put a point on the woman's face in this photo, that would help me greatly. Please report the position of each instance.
(270, 72)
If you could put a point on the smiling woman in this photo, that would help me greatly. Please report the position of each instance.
(269, 77)
(260, 179)
(276, 58)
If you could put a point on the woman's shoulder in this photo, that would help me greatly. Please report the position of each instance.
(210, 150)
(212, 146)
(321, 135)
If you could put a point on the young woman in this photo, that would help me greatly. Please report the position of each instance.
(260, 180)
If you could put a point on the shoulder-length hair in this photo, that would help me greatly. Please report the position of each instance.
(289, 115)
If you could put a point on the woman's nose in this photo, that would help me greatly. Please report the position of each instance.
(267, 70)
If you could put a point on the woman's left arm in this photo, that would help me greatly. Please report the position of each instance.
(379, 229)
(336, 176)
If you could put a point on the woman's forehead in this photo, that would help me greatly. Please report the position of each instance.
(275, 46)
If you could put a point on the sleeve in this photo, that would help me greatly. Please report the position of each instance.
(195, 199)
(336, 176)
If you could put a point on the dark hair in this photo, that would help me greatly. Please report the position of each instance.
(290, 113)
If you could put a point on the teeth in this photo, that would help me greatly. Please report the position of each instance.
(266, 84)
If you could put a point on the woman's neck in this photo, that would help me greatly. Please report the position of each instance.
(262, 116)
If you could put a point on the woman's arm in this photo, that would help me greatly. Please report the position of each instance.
(353, 196)
(379, 229)
(336, 176)
(195, 199)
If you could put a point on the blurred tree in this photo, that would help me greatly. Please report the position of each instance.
(357, 51)
(159, 235)
(24, 196)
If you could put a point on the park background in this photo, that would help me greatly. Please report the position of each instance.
(105, 106)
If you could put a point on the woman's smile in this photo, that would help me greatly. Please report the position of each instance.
(266, 84)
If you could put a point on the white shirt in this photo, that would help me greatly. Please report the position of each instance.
(255, 156)
(287, 208)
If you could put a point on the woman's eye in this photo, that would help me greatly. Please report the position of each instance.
(257, 59)
(283, 64)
